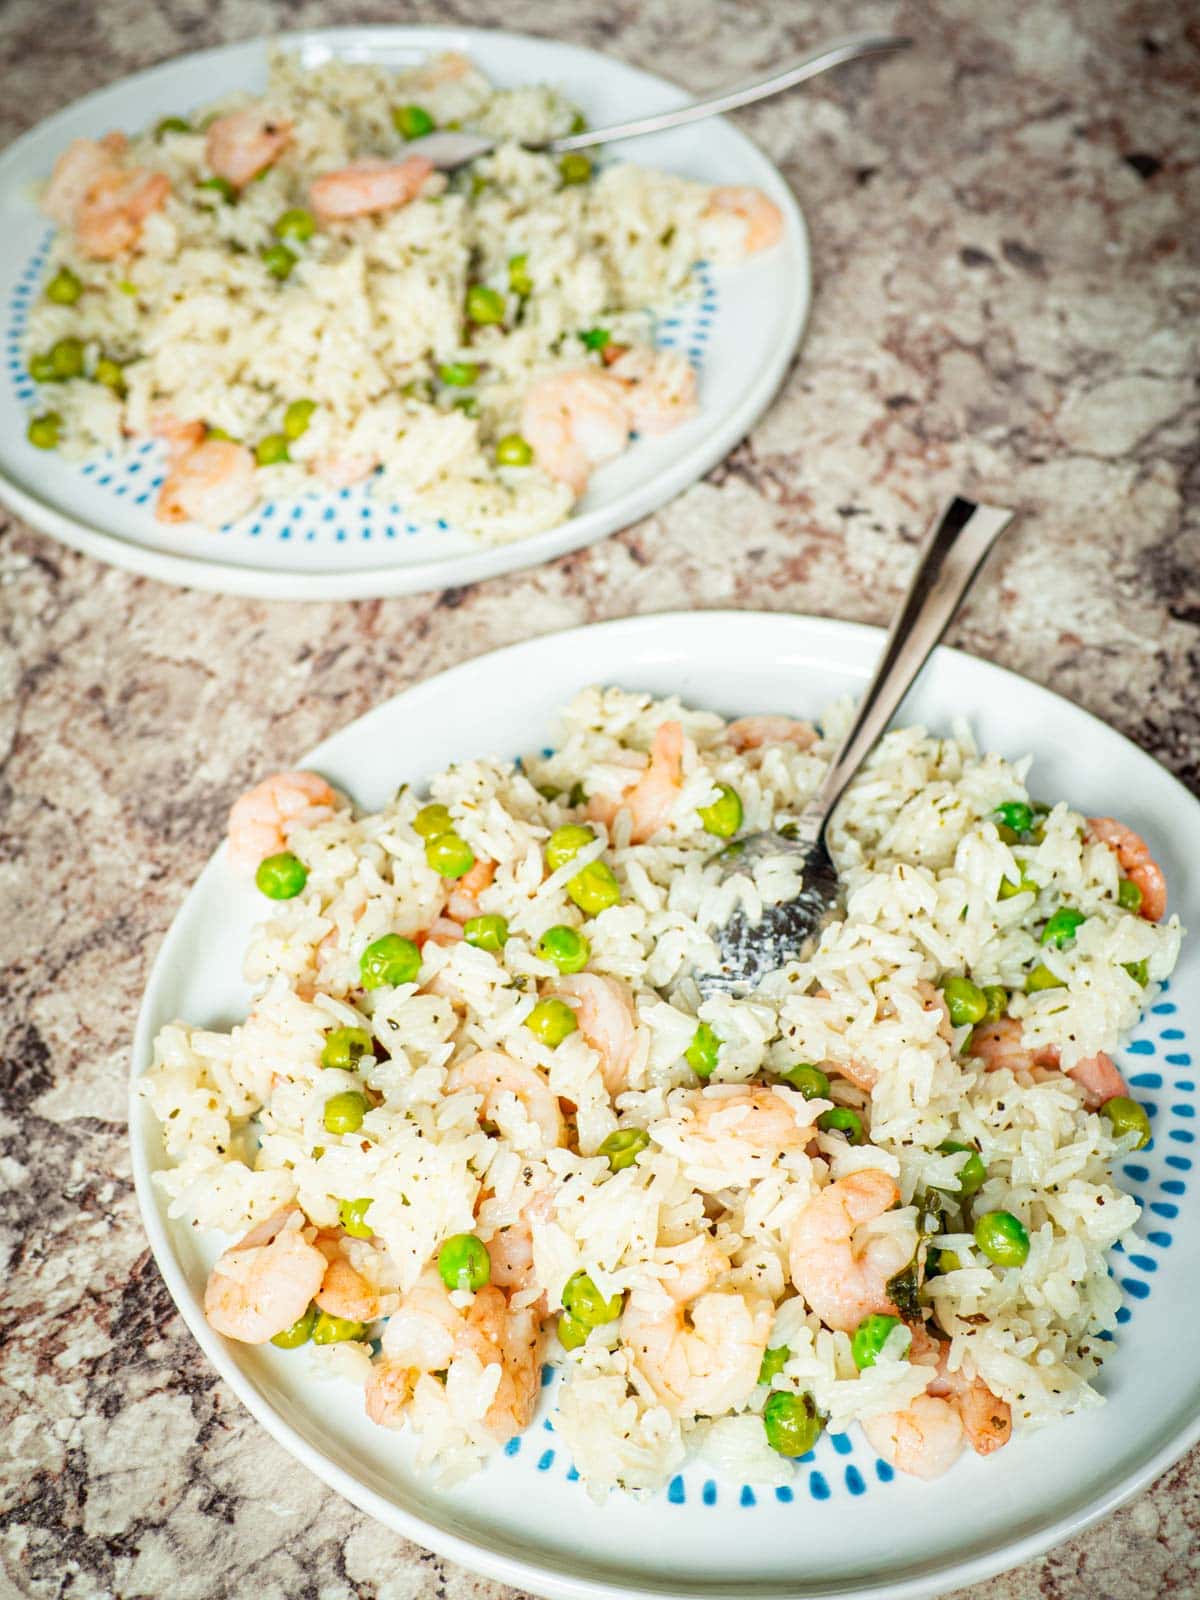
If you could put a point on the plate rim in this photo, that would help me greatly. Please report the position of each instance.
(546, 1575)
(486, 561)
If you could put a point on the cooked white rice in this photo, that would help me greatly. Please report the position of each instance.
(922, 862)
(373, 309)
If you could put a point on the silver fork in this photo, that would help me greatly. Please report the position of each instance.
(449, 149)
(950, 558)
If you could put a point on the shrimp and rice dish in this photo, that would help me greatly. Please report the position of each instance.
(293, 304)
(480, 1117)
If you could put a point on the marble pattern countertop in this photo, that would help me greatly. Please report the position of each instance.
(1006, 227)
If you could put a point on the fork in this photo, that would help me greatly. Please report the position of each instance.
(950, 558)
(448, 148)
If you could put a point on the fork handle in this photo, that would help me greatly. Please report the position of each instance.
(950, 559)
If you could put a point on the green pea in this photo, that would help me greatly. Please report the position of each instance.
(724, 817)
(299, 1333)
(449, 855)
(773, 1363)
(1127, 1116)
(44, 431)
(282, 876)
(1042, 978)
(571, 1334)
(412, 122)
(551, 1021)
(791, 1422)
(464, 1263)
(869, 1339)
(574, 167)
(64, 288)
(344, 1112)
(484, 305)
(623, 1147)
(946, 1261)
(519, 280)
(41, 368)
(973, 1173)
(703, 1052)
(595, 338)
(1060, 928)
(812, 1083)
(1002, 1238)
(352, 1214)
(458, 374)
(842, 1120)
(1009, 890)
(488, 932)
(965, 1001)
(1139, 971)
(996, 996)
(467, 404)
(126, 287)
(295, 223)
(418, 389)
(278, 260)
(568, 949)
(336, 1330)
(211, 431)
(345, 1047)
(1015, 814)
(66, 356)
(297, 418)
(583, 1301)
(432, 820)
(172, 125)
(110, 374)
(1129, 896)
(595, 888)
(513, 451)
(389, 962)
(271, 450)
(221, 186)
(565, 843)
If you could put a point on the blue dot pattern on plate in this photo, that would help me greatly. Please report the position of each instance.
(1159, 1069)
(339, 519)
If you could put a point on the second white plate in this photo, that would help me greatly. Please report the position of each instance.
(846, 1524)
(740, 332)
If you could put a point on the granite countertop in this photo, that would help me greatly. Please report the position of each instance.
(1006, 229)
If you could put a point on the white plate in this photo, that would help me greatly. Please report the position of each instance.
(740, 332)
(848, 1525)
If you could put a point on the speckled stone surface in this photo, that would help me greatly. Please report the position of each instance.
(1006, 227)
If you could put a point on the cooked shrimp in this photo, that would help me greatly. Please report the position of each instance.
(463, 900)
(925, 1439)
(81, 165)
(244, 143)
(429, 1334)
(762, 217)
(493, 1074)
(650, 798)
(340, 472)
(368, 187)
(344, 1292)
(841, 1282)
(263, 819)
(575, 420)
(1001, 1044)
(510, 1251)
(660, 388)
(1136, 862)
(181, 437)
(750, 733)
(265, 1282)
(213, 484)
(607, 1021)
(727, 1121)
(109, 220)
(699, 1348)
(932, 999)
